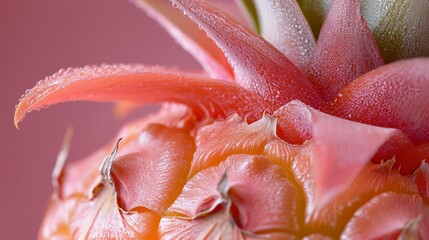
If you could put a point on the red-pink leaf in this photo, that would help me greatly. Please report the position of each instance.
(142, 84)
(189, 36)
(395, 95)
(257, 65)
(345, 49)
(283, 25)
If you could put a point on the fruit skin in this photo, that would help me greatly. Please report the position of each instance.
(243, 158)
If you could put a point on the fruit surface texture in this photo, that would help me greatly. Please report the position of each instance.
(279, 136)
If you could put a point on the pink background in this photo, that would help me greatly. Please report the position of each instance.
(36, 39)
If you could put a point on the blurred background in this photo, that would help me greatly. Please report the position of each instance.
(37, 38)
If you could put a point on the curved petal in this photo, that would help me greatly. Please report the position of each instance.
(189, 36)
(78, 179)
(373, 180)
(257, 65)
(395, 95)
(233, 136)
(385, 216)
(101, 218)
(294, 122)
(142, 84)
(153, 176)
(283, 25)
(259, 198)
(345, 50)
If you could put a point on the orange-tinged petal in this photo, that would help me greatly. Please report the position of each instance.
(395, 95)
(142, 84)
(422, 181)
(263, 199)
(233, 136)
(317, 237)
(385, 216)
(257, 65)
(55, 224)
(345, 49)
(101, 218)
(283, 25)
(123, 108)
(153, 176)
(374, 179)
(189, 36)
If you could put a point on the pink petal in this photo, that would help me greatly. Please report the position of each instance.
(395, 95)
(385, 216)
(262, 192)
(295, 126)
(189, 36)
(101, 218)
(153, 176)
(80, 178)
(345, 50)
(257, 65)
(142, 84)
(294, 122)
(283, 25)
(342, 149)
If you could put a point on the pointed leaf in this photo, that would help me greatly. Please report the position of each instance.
(294, 122)
(395, 95)
(345, 50)
(342, 148)
(400, 27)
(283, 25)
(189, 36)
(142, 84)
(257, 65)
